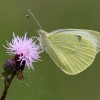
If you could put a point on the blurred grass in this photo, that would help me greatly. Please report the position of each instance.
(48, 82)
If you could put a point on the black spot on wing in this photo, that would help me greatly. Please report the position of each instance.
(79, 37)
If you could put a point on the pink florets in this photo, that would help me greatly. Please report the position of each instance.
(27, 49)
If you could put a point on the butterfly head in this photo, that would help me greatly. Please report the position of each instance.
(42, 33)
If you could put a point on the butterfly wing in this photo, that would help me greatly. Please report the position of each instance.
(72, 53)
(91, 35)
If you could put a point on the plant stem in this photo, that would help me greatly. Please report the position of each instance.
(7, 83)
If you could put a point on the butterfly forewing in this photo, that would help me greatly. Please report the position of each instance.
(91, 35)
(72, 53)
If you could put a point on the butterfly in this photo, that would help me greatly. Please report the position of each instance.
(72, 50)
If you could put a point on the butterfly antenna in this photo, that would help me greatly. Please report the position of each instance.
(35, 18)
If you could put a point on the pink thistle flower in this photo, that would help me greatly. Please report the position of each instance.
(26, 49)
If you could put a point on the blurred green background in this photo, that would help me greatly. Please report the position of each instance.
(48, 82)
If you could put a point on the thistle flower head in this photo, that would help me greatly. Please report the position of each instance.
(26, 49)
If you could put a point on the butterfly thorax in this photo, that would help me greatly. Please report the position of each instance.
(42, 38)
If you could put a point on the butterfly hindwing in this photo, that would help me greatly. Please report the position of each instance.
(71, 52)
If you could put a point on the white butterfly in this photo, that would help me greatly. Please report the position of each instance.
(72, 50)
